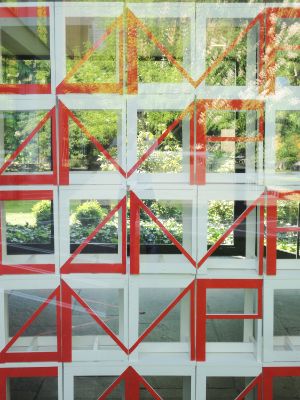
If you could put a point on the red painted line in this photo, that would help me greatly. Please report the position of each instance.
(24, 12)
(288, 229)
(26, 195)
(29, 372)
(193, 320)
(27, 269)
(200, 320)
(192, 148)
(271, 235)
(25, 88)
(135, 234)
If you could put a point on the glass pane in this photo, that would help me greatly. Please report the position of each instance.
(81, 34)
(231, 301)
(91, 387)
(230, 156)
(152, 302)
(287, 141)
(25, 50)
(232, 70)
(168, 157)
(104, 126)
(29, 226)
(174, 35)
(37, 388)
(286, 321)
(286, 388)
(227, 388)
(15, 127)
(85, 215)
(168, 387)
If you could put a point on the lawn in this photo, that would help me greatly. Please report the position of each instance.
(18, 212)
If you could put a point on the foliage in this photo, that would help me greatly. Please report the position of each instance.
(43, 212)
(168, 156)
(103, 125)
(287, 140)
(220, 218)
(36, 156)
(89, 213)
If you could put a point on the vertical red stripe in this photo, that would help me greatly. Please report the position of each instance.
(200, 320)
(201, 144)
(134, 235)
(271, 234)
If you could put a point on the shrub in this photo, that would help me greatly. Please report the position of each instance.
(42, 211)
(89, 213)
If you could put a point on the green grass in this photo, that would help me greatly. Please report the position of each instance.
(18, 212)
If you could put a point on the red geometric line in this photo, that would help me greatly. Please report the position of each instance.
(68, 267)
(240, 219)
(135, 205)
(24, 12)
(158, 141)
(34, 356)
(255, 382)
(26, 195)
(25, 88)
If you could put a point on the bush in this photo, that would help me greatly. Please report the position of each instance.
(89, 213)
(42, 211)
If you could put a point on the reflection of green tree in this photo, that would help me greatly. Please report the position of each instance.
(232, 70)
(287, 140)
(288, 216)
(103, 125)
(168, 156)
(36, 156)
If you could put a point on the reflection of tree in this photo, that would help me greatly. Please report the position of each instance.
(287, 140)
